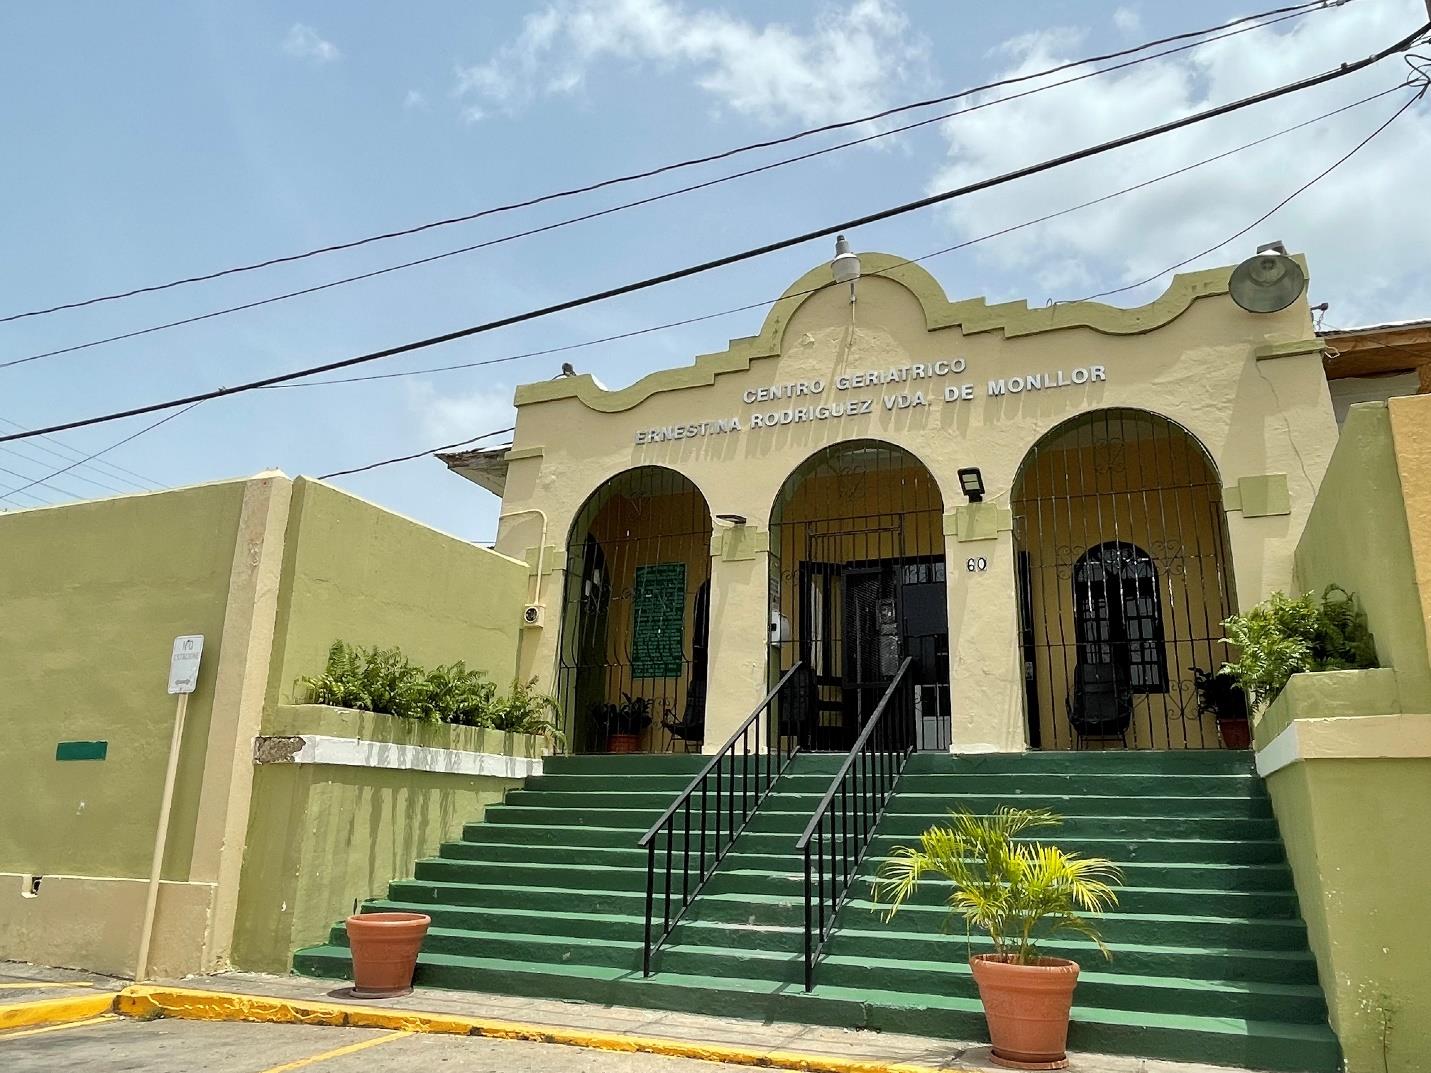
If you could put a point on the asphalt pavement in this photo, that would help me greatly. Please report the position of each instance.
(119, 1045)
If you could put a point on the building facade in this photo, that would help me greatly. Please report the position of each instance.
(1050, 510)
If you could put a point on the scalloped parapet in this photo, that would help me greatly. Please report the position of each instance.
(971, 316)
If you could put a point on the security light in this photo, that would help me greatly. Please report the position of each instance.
(846, 265)
(733, 519)
(971, 481)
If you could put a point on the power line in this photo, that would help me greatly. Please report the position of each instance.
(108, 468)
(1275, 208)
(624, 206)
(42, 483)
(419, 454)
(77, 476)
(1289, 11)
(759, 251)
(966, 243)
(101, 451)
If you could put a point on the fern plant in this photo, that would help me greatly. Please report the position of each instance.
(384, 680)
(1018, 893)
(1285, 635)
(525, 710)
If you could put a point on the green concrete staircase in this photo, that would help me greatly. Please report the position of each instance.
(545, 897)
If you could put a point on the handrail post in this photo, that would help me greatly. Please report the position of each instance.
(724, 777)
(851, 808)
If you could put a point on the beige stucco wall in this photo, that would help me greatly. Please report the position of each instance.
(1191, 355)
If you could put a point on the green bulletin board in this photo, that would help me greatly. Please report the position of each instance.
(658, 638)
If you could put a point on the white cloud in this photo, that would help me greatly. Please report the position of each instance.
(1361, 216)
(1127, 20)
(415, 99)
(448, 418)
(304, 43)
(848, 61)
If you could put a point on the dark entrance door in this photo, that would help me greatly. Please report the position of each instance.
(858, 621)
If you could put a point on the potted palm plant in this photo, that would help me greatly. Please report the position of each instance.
(624, 723)
(1018, 893)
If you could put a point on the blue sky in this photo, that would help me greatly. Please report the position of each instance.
(149, 141)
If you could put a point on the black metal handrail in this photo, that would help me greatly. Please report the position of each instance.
(737, 777)
(845, 819)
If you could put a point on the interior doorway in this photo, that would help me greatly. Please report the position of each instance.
(857, 584)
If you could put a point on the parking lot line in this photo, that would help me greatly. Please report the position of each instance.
(337, 1052)
(22, 1033)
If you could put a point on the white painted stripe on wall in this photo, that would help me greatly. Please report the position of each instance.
(354, 752)
(1280, 751)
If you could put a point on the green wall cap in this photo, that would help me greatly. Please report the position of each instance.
(971, 316)
(82, 750)
(1262, 496)
(978, 521)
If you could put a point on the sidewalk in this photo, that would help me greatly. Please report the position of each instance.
(875, 1048)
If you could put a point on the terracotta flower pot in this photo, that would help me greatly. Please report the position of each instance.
(624, 743)
(1027, 1008)
(1235, 733)
(385, 947)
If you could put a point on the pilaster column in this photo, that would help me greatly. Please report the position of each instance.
(740, 629)
(985, 664)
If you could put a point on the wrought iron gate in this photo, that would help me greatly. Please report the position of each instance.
(635, 617)
(858, 583)
(1123, 583)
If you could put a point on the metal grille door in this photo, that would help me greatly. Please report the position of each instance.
(1124, 583)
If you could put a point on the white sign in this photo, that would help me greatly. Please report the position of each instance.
(184, 663)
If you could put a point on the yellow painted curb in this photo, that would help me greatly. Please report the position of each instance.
(189, 1004)
(55, 1010)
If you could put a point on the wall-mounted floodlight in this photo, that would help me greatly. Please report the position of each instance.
(733, 519)
(971, 482)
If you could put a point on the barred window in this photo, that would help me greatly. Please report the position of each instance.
(1119, 616)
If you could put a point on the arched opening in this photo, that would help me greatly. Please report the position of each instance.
(636, 616)
(1124, 582)
(857, 583)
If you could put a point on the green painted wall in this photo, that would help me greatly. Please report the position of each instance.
(1372, 557)
(1356, 837)
(323, 838)
(354, 571)
(91, 598)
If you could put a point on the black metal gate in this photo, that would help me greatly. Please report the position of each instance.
(858, 583)
(636, 616)
(1124, 583)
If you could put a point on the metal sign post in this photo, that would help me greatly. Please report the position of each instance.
(183, 677)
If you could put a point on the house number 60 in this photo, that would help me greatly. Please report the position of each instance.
(978, 565)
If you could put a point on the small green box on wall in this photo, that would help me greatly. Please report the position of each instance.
(81, 750)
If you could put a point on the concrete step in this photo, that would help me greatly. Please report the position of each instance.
(1279, 1046)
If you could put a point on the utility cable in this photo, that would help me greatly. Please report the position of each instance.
(759, 251)
(1273, 210)
(101, 451)
(419, 454)
(118, 490)
(1289, 11)
(611, 210)
(965, 244)
(107, 468)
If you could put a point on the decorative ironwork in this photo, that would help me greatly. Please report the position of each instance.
(857, 582)
(835, 841)
(717, 804)
(1124, 582)
(635, 615)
